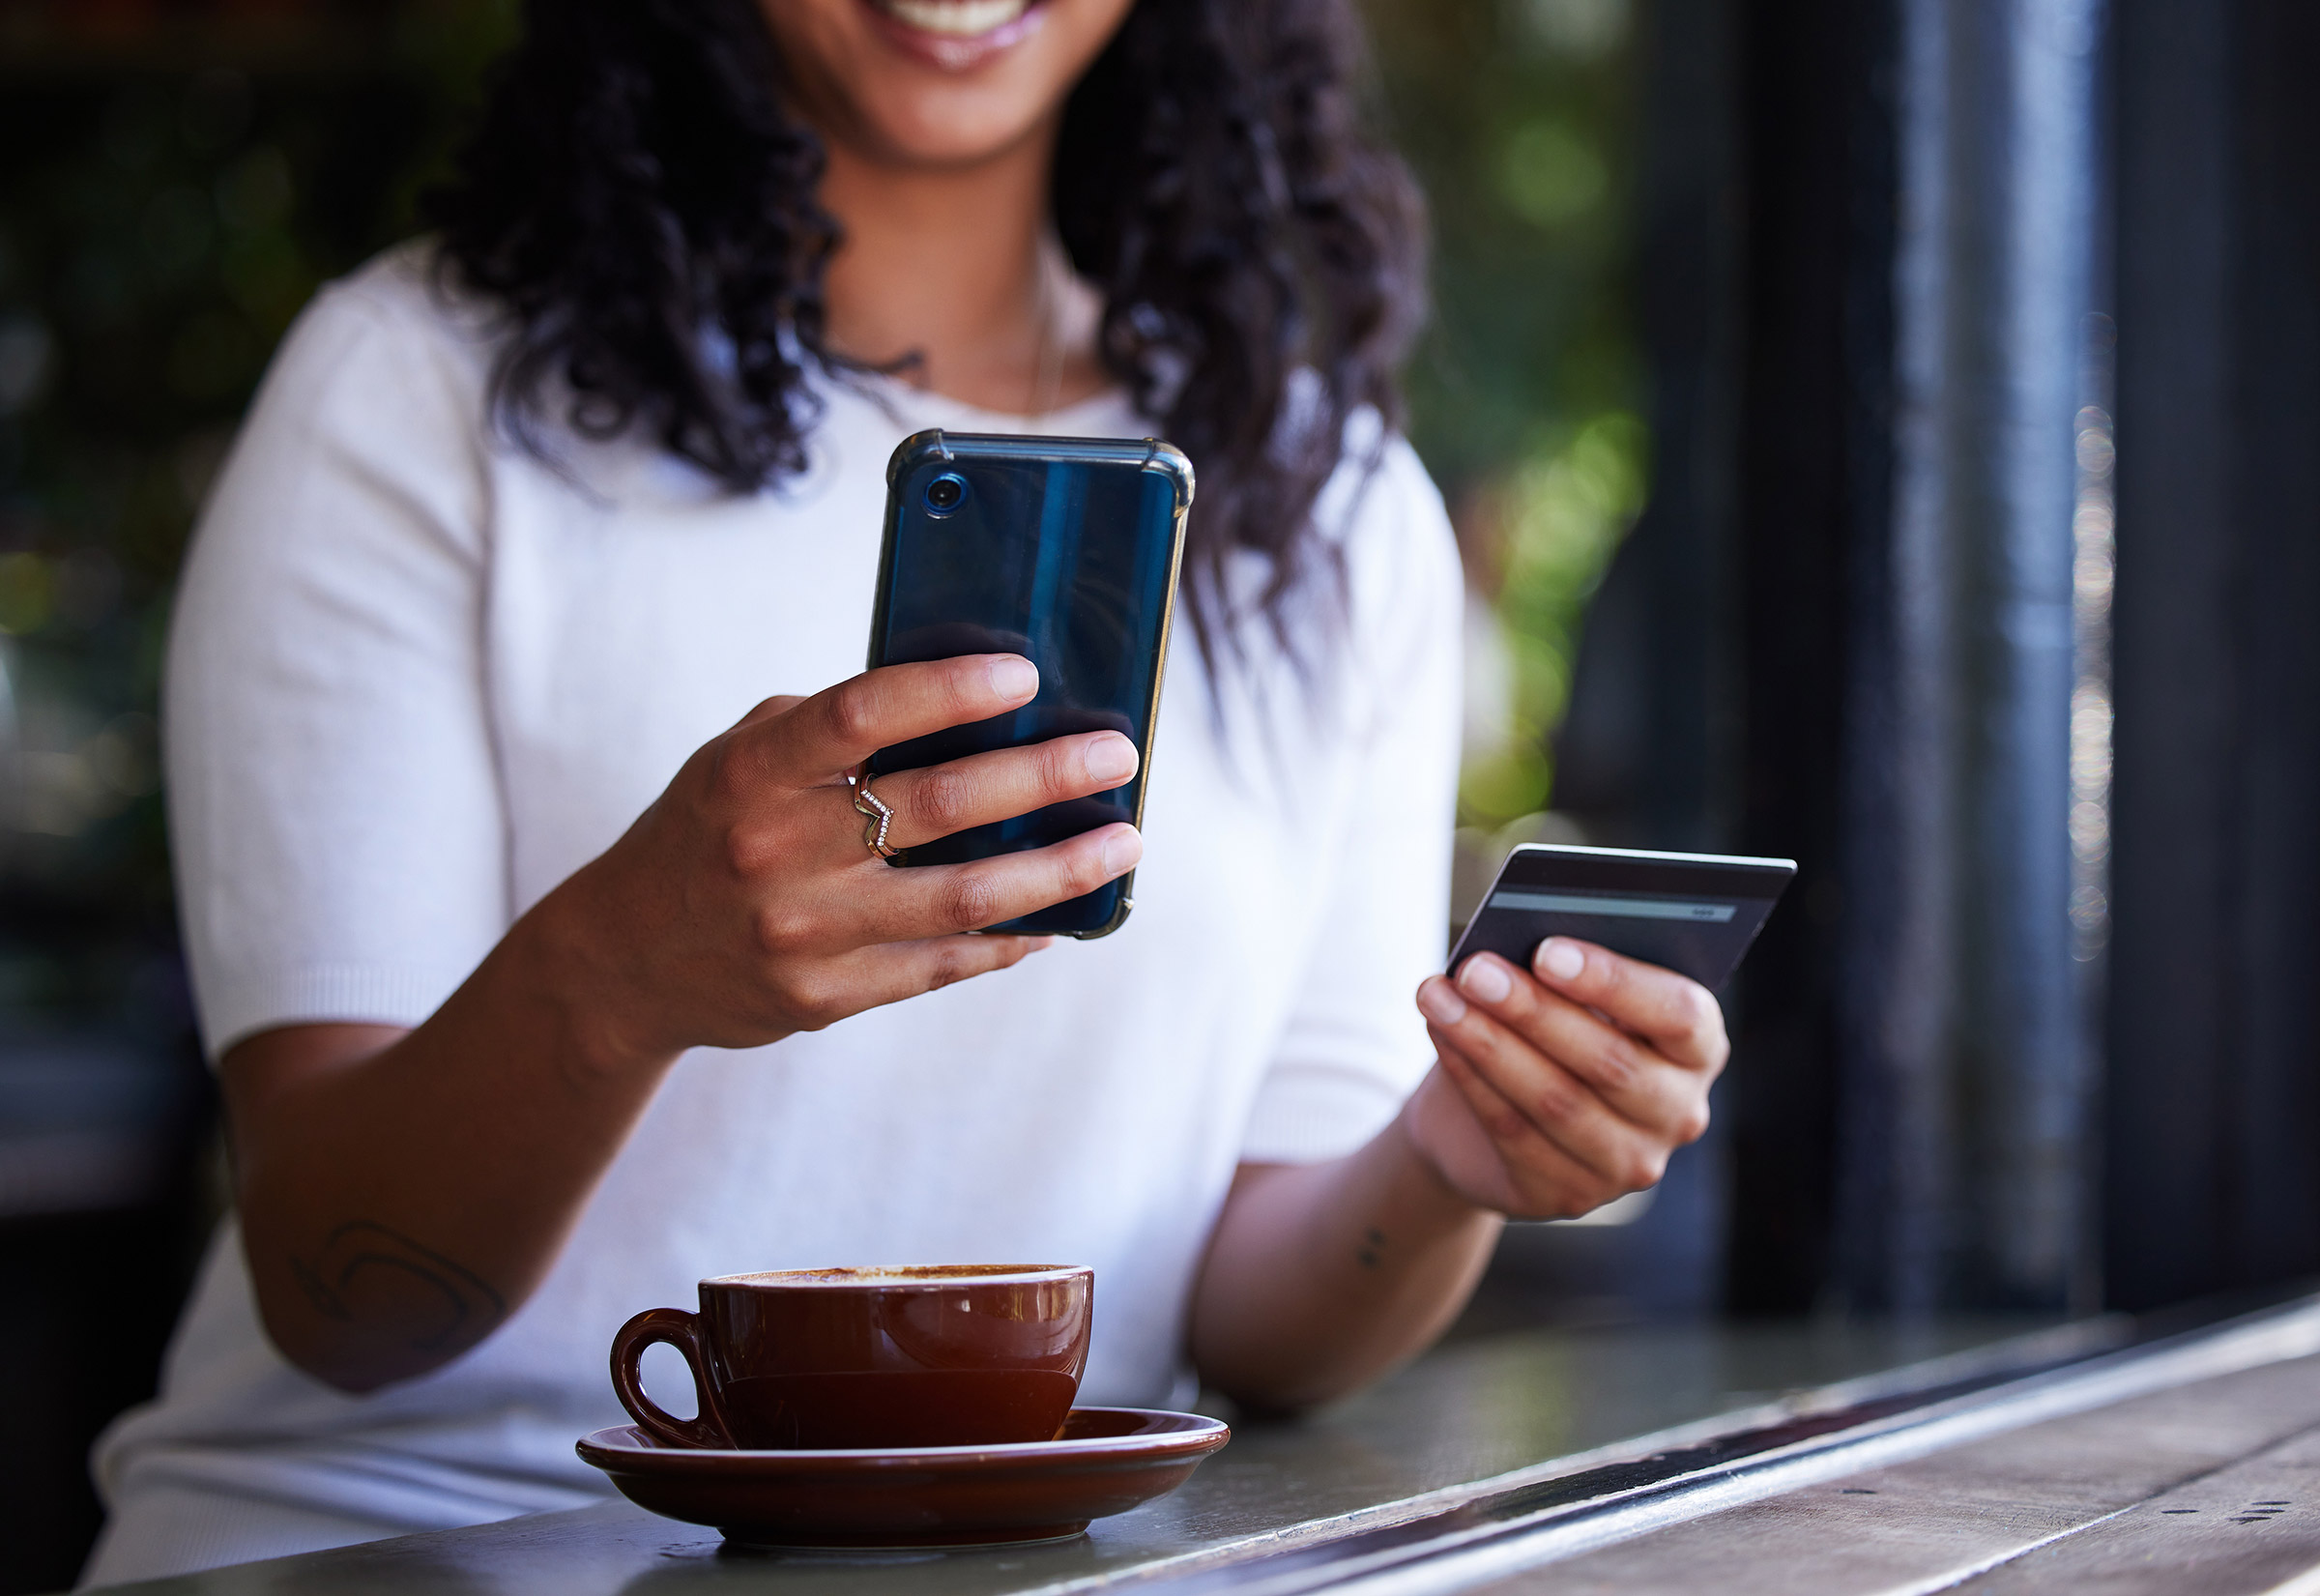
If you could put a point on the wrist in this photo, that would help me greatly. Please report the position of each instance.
(584, 991)
(1430, 1183)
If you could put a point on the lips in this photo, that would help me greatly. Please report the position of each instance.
(956, 35)
(955, 19)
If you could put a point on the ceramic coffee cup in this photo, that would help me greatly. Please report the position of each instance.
(931, 1356)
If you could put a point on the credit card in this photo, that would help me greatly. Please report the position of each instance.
(1695, 913)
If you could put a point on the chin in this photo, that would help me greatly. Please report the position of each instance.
(942, 82)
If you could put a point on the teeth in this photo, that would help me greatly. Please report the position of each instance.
(959, 18)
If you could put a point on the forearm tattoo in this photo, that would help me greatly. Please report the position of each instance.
(368, 1257)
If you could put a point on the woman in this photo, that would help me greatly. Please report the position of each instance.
(528, 518)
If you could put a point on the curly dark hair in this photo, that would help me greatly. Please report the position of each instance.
(640, 200)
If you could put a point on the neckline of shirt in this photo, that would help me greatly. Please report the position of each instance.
(1111, 404)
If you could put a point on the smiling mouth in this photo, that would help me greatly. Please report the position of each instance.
(955, 19)
(957, 33)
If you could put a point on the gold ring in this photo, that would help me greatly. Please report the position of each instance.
(878, 817)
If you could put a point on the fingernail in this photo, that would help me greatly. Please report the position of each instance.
(1111, 758)
(1559, 960)
(1486, 978)
(1440, 1002)
(1122, 850)
(1014, 676)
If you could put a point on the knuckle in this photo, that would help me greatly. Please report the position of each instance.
(1555, 1099)
(1062, 768)
(1703, 1020)
(1694, 1125)
(1501, 1120)
(1619, 1061)
(820, 1014)
(1714, 1047)
(944, 800)
(965, 684)
(809, 1000)
(1642, 1169)
(727, 775)
(970, 901)
(1083, 868)
(952, 963)
(748, 852)
(781, 931)
(1702, 1010)
(850, 713)
(1080, 871)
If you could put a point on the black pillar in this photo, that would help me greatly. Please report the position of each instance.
(2213, 1122)
(1814, 470)
(1906, 1107)
(1880, 520)
(1964, 1073)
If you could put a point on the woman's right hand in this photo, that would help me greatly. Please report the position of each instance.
(402, 1192)
(745, 904)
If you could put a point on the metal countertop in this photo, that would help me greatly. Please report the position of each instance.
(1465, 1413)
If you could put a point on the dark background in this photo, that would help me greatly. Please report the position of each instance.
(177, 183)
(1666, 395)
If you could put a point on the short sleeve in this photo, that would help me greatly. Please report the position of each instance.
(335, 812)
(1355, 1045)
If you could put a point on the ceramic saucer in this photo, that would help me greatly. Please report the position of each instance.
(1107, 1460)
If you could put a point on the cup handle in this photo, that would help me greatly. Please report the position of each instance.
(682, 1331)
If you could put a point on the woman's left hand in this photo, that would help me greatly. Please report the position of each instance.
(1561, 1088)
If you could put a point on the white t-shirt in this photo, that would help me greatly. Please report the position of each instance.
(417, 677)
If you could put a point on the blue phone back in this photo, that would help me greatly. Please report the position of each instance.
(1063, 550)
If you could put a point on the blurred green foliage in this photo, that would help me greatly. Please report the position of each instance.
(1519, 116)
(1559, 514)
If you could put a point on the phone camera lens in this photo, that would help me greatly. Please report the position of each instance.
(946, 493)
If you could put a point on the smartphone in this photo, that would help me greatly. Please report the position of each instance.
(1066, 551)
(1695, 913)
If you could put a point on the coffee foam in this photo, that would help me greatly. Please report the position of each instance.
(900, 1274)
